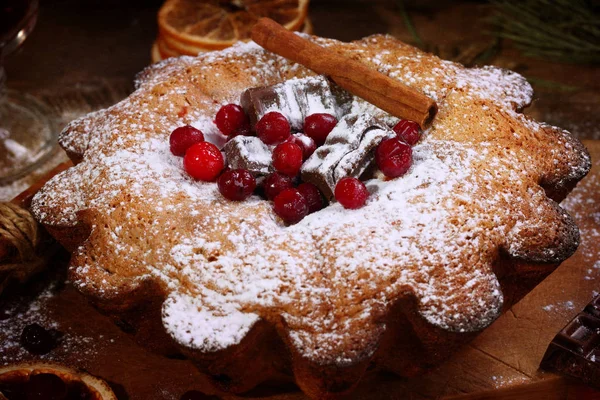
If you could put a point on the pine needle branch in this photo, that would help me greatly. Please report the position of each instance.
(564, 30)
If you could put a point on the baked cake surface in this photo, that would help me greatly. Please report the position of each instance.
(433, 256)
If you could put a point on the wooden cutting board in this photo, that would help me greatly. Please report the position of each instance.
(501, 363)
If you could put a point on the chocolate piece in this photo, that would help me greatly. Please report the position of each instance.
(348, 151)
(296, 99)
(248, 152)
(575, 350)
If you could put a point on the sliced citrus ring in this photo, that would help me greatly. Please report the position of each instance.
(216, 24)
(165, 47)
(181, 47)
(166, 50)
(168, 44)
(55, 380)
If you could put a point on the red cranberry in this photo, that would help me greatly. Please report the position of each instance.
(203, 161)
(46, 386)
(37, 340)
(231, 117)
(275, 184)
(287, 158)
(393, 157)
(407, 131)
(237, 184)
(351, 193)
(306, 143)
(273, 128)
(290, 205)
(183, 137)
(312, 195)
(318, 126)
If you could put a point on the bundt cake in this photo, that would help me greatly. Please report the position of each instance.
(431, 259)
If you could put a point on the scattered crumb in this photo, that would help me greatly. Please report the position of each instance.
(565, 305)
(501, 381)
(36, 312)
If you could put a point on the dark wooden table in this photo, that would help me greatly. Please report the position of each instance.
(84, 55)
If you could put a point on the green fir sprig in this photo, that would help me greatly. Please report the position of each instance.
(561, 30)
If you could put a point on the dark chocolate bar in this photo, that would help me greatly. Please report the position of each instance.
(295, 99)
(348, 151)
(248, 152)
(575, 350)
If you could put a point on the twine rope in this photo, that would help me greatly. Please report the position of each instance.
(19, 230)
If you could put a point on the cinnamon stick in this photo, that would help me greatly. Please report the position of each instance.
(382, 91)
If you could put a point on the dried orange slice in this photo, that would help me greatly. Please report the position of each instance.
(164, 47)
(166, 50)
(161, 50)
(217, 24)
(170, 47)
(50, 381)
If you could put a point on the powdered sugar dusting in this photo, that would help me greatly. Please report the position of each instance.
(562, 306)
(580, 202)
(300, 102)
(212, 134)
(36, 311)
(502, 381)
(433, 233)
(202, 328)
